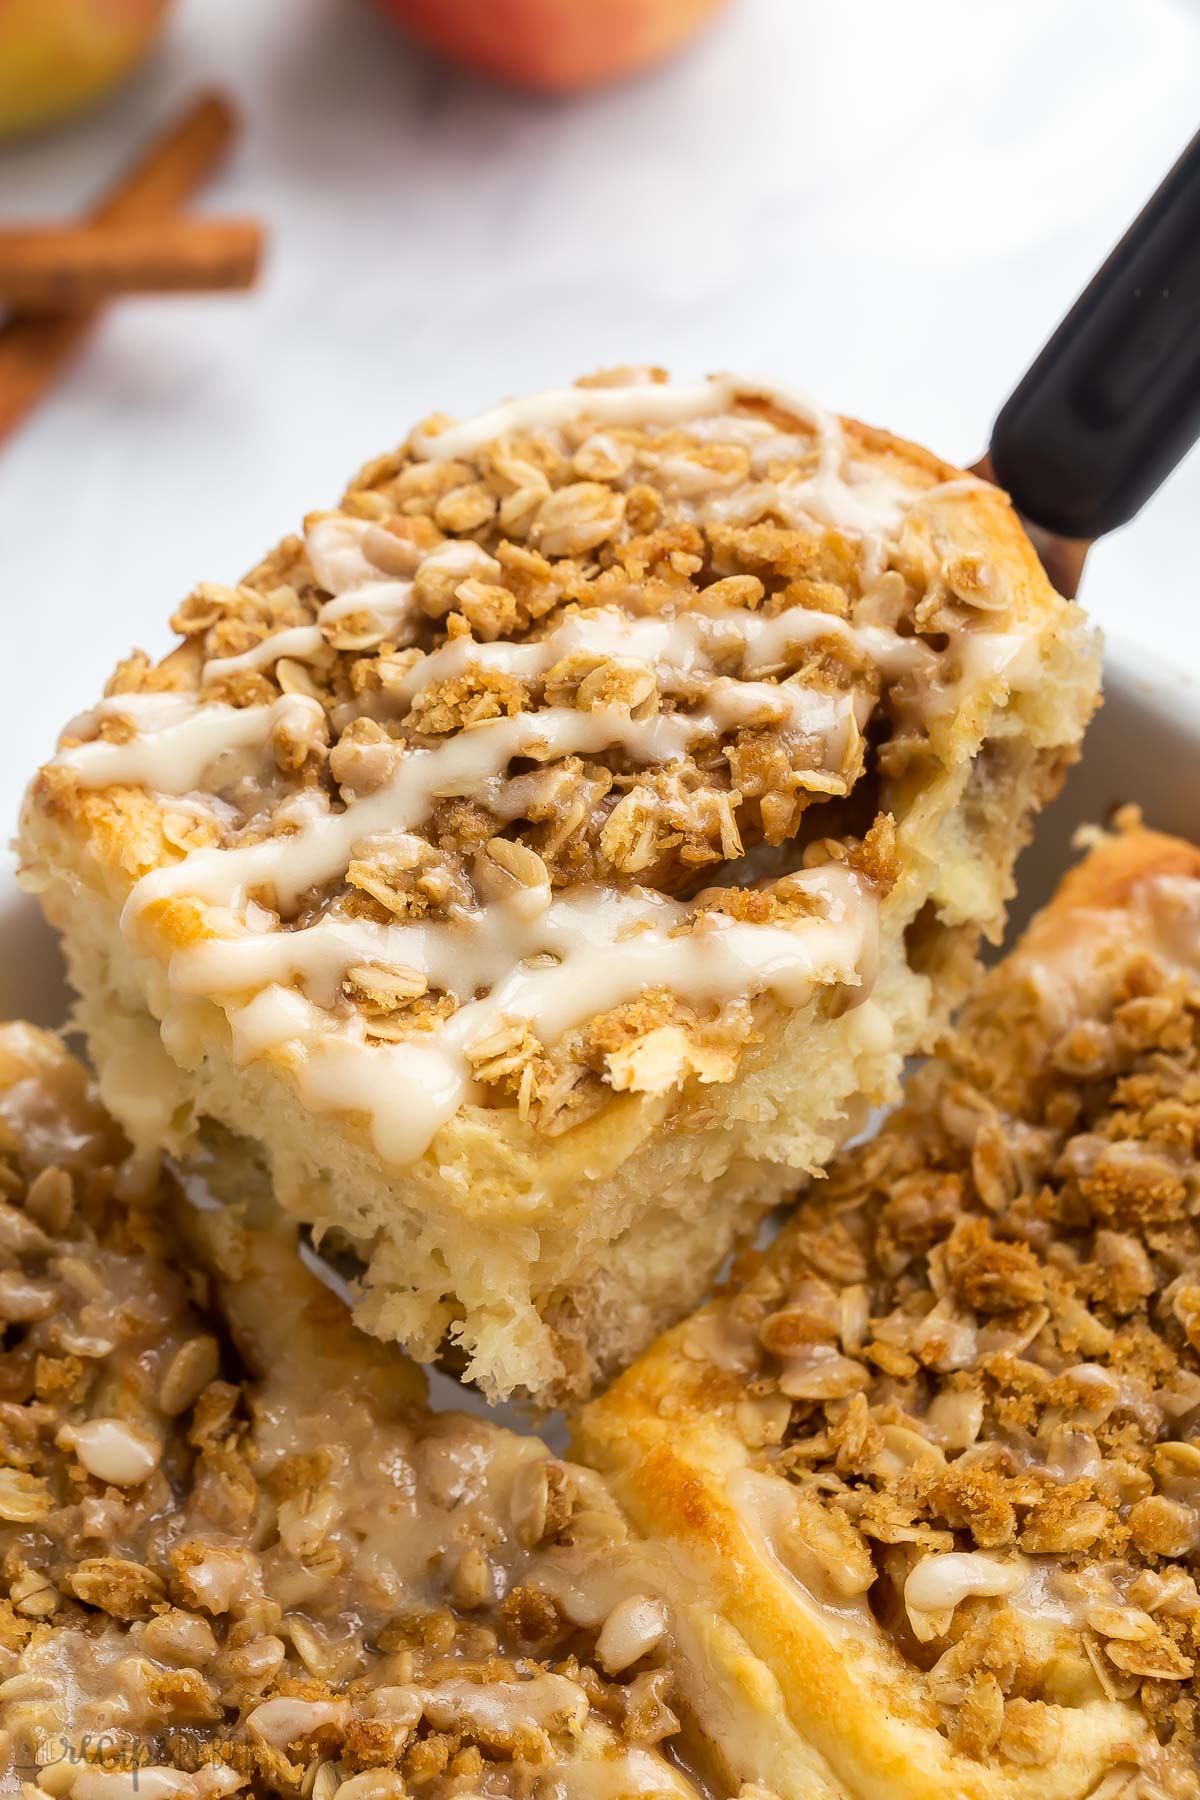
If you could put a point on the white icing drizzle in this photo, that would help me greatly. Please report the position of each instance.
(677, 648)
(692, 644)
(298, 642)
(648, 403)
(629, 1771)
(810, 711)
(461, 556)
(388, 602)
(462, 765)
(335, 552)
(357, 589)
(609, 946)
(855, 496)
(961, 484)
(764, 1506)
(689, 644)
(464, 955)
(940, 1582)
(172, 757)
(149, 711)
(551, 962)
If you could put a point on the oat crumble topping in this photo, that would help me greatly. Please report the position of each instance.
(975, 1359)
(691, 642)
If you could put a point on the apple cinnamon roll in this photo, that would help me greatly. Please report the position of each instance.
(548, 857)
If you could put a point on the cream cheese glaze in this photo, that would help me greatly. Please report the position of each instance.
(552, 961)
(764, 1507)
(171, 757)
(609, 947)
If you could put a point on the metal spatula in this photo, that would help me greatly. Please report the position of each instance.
(1113, 401)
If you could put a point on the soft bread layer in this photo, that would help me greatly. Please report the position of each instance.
(550, 1256)
(690, 1437)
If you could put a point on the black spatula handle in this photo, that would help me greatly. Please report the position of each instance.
(1113, 401)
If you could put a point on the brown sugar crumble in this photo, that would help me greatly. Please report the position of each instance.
(543, 529)
(237, 1550)
(975, 1358)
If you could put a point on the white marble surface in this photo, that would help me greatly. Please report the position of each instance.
(888, 204)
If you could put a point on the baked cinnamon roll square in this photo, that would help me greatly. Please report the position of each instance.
(551, 855)
(932, 1458)
(239, 1553)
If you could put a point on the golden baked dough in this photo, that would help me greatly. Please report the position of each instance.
(932, 1458)
(553, 854)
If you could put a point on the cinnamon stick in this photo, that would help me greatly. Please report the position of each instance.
(57, 268)
(36, 347)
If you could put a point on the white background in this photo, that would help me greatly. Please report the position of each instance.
(888, 203)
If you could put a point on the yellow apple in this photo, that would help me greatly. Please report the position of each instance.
(59, 55)
(554, 46)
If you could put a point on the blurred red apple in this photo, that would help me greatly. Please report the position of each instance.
(59, 55)
(555, 46)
